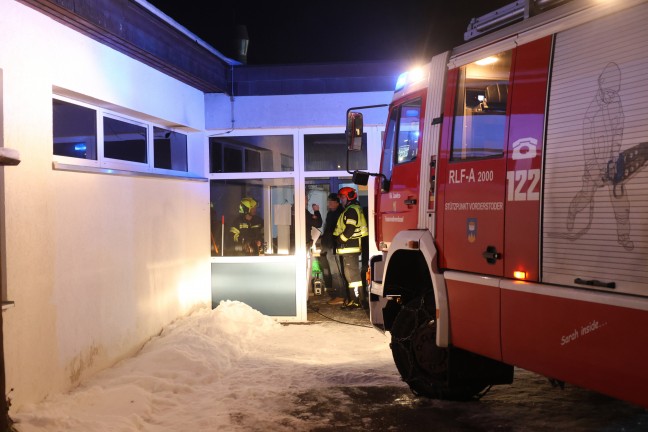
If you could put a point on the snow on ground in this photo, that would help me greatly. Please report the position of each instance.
(226, 369)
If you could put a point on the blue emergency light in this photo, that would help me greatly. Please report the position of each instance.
(409, 77)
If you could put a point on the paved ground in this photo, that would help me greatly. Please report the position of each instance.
(530, 404)
(319, 311)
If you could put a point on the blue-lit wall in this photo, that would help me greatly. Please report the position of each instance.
(292, 111)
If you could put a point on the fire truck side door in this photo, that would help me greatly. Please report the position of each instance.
(397, 207)
(473, 163)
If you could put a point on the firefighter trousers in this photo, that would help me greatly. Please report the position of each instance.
(351, 266)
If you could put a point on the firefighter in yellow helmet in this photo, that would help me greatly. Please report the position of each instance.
(247, 230)
(350, 229)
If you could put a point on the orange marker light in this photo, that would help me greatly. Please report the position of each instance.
(413, 244)
(519, 274)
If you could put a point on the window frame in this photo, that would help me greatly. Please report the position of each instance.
(306, 132)
(460, 101)
(225, 145)
(399, 124)
(125, 164)
(111, 164)
(69, 160)
(186, 150)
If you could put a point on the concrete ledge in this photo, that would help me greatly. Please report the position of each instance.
(9, 156)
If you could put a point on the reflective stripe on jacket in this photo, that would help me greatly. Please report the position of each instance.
(350, 228)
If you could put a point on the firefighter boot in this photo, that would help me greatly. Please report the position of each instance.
(352, 301)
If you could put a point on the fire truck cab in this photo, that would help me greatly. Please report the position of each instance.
(511, 204)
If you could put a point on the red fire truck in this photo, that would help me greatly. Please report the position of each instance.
(511, 206)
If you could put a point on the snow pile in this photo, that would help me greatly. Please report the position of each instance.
(230, 368)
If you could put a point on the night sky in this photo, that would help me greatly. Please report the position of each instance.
(324, 31)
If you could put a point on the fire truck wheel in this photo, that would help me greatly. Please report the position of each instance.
(420, 362)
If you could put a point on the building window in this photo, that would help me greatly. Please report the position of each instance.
(124, 141)
(480, 113)
(75, 130)
(169, 150)
(117, 142)
(264, 153)
(252, 217)
(328, 152)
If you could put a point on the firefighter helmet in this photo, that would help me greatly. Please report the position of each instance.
(246, 205)
(348, 192)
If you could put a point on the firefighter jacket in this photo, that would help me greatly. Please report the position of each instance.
(351, 227)
(246, 234)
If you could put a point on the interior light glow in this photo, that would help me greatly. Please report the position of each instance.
(486, 61)
(519, 274)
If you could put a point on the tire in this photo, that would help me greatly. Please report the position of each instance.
(421, 363)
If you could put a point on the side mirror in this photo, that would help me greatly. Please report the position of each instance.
(354, 131)
(360, 178)
(384, 184)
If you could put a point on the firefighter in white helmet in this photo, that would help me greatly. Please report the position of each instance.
(247, 230)
(351, 227)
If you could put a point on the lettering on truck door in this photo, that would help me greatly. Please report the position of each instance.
(474, 166)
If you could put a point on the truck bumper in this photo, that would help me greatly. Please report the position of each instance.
(376, 304)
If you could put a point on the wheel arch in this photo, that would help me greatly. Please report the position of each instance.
(411, 269)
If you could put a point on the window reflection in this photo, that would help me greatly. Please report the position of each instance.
(402, 135)
(169, 149)
(480, 114)
(408, 131)
(75, 130)
(265, 153)
(328, 152)
(252, 217)
(124, 140)
(388, 151)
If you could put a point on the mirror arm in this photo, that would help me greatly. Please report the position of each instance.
(384, 177)
(368, 173)
(365, 107)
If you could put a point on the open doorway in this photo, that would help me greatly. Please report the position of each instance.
(325, 280)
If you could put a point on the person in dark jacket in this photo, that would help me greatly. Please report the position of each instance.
(329, 262)
(313, 220)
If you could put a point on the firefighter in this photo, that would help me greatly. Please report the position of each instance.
(247, 229)
(350, 229)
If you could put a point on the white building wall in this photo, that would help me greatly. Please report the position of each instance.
(312, 110)
(95, 266)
